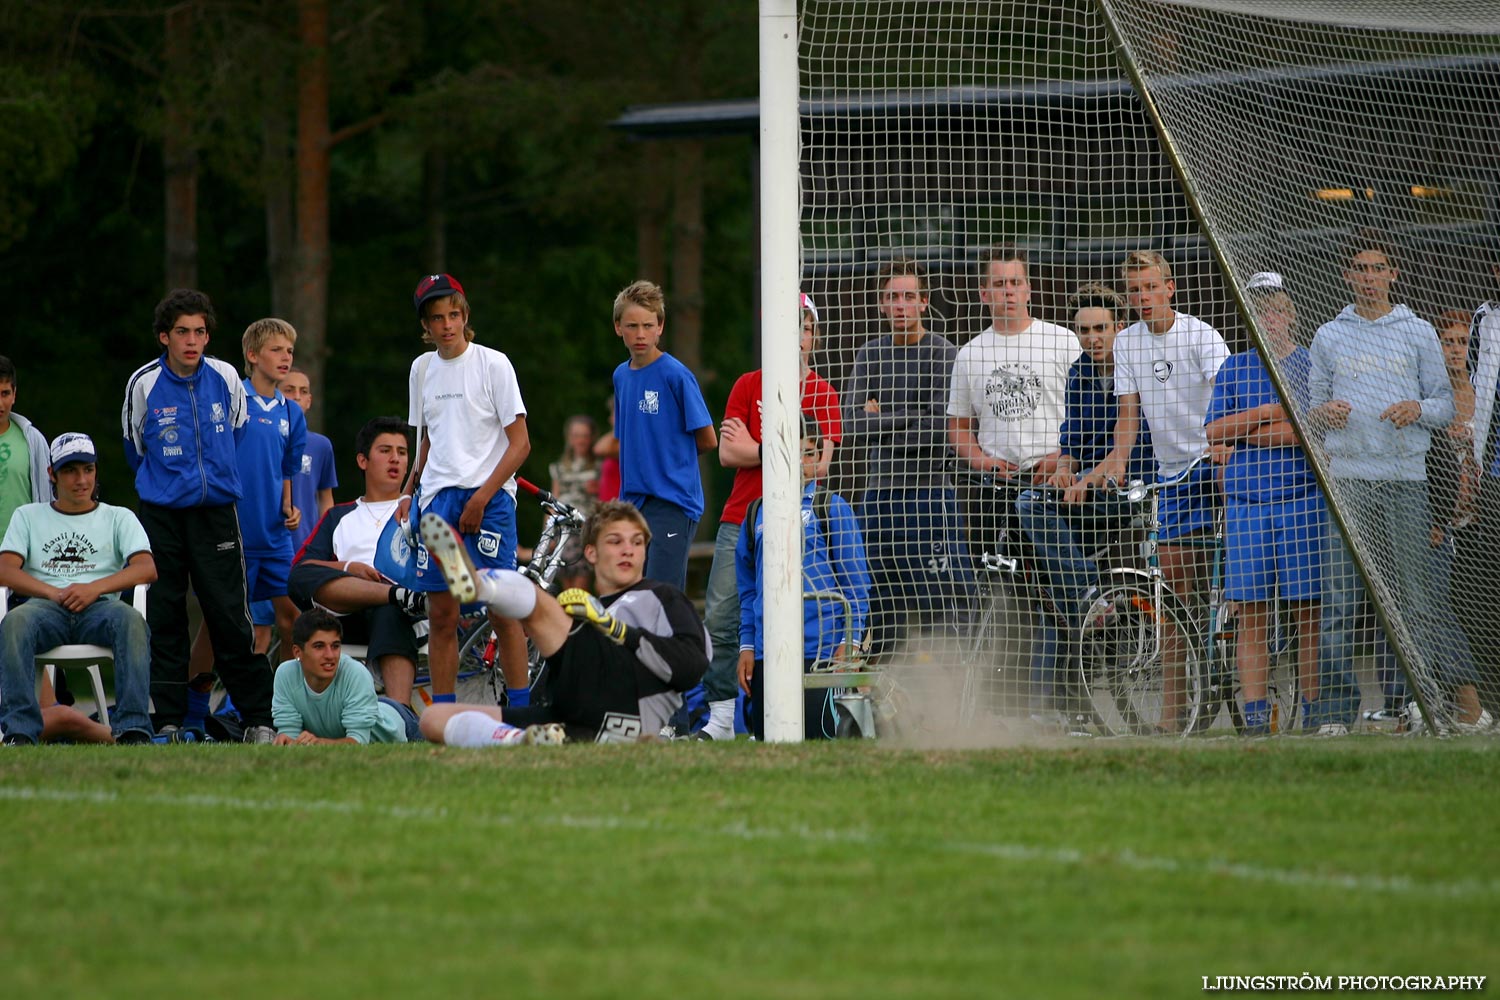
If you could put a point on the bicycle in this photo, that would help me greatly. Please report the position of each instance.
(1014, 595)
(477, 653)
(1123, 647)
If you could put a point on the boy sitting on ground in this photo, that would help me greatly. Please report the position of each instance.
(615, 682)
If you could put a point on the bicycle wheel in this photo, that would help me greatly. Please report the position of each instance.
(996, 657)
(1123, 664)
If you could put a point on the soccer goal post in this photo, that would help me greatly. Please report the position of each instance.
(1058, 247)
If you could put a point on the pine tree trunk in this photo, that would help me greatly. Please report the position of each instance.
(310, 297)
(179, 155)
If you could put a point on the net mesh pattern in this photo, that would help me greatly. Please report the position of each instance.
(1342, 160)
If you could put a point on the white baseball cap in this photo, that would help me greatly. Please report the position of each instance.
(1265, 281)
(72, 447)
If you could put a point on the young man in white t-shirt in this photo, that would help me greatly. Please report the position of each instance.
(1006, 405)
(1165, 366)
(1010, 382)
(335, 569)
(465, 396)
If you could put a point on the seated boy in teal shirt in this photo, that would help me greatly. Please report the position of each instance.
(323, 696)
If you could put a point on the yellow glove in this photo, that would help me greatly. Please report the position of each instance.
(585, 607)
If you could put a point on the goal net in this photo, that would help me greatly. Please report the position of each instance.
(1253, 231)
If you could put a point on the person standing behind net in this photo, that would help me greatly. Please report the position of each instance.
(1065, 533)
(1005, 410)
(663, 426)
(1164, 373)
(1275, 521)
(1478, 543)
(1379, 390)
(740, 449)
(895, 403)
(183, 418)
(313, 486)
(466, 398)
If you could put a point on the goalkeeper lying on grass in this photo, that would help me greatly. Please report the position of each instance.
(617, 664)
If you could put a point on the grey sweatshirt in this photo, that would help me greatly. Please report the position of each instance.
(907, 441)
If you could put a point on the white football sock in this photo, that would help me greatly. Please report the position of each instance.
(720, 723)
(507, 592)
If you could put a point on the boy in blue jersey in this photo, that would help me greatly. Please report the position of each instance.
(1275, 521)
(270, 454)
(663, 426)
(833, 561)
(1066, 522)
(183, 416)
(313, 486)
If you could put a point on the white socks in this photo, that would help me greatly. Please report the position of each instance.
(507, 592)
(720, 723)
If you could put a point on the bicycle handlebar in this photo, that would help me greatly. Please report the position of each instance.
(552, 503)
(1137, 490)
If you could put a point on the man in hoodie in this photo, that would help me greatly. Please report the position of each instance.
(1378, 389)
(183, 417)
(23, 453)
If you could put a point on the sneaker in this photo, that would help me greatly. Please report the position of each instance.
(545, 734)
(413, 602)
(1479, 725)
(260, 734)
(1383, 715)
(17, 740)
(1412, 722)
(446, 546)
(168, 734)
(133, 738)
(1333, 729)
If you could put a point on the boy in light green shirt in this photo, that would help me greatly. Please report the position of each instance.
(23, 453)
(323, 696)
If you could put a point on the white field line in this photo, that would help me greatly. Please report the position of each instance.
(798, 834)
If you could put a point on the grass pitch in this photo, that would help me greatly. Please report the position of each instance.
(843, 870)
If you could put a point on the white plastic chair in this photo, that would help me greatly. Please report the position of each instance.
(78, 655)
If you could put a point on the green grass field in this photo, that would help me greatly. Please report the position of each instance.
(687, 870)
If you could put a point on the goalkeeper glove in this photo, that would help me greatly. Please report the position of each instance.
(585, 607)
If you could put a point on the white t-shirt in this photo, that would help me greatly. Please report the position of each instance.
(1174, 375)
(62, 549)
(468, 402)
(358, 532)
(1016, 384)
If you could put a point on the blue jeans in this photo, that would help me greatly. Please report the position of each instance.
(1391, 521)
(721, 615)
(919, 564)
(38, 625)
(1062, 535)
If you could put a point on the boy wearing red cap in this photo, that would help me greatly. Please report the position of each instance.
(466, 399)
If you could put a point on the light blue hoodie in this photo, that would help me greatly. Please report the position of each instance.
(1372, 364)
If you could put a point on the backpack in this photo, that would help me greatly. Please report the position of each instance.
(822, 503)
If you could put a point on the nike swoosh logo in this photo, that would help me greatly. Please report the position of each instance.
(673, 534)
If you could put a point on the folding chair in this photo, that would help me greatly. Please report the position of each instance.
(78, 655)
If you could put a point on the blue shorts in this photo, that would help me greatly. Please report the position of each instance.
(494, 547)
(262, 613)
(1189, 506)
(265, 576)
(1271, 544)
